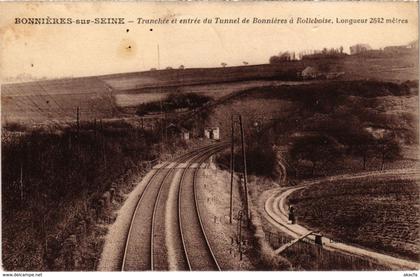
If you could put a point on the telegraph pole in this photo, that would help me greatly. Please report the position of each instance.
(161, 127)
(78, 128)
(21, 182)
(244, 166)
(158, 53)
(103, 142)
(78, 118)
(166, 127)
(232, 169)
(240, 214)
(94, 127)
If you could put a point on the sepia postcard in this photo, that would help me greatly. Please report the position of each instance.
(209, 136)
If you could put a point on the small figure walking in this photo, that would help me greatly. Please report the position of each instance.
(292, 218)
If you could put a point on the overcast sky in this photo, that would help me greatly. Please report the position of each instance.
(79, 50)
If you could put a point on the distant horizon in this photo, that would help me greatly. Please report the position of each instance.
(28, 79)
(55, 51)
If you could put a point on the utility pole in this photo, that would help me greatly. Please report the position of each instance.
(232, 169)
(240, 214)
(94, 128)
(244, 167)
(161, 127)
(166, 127)
(158, 53)
(21, 182)
(103, 142)
(78, 119)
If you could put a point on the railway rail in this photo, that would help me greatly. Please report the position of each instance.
(197, 249)
(276, 214)
(145, 247)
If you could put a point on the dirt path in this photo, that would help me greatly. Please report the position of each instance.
(276, 214)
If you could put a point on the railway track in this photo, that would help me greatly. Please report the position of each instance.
(146, 246)
(197, 249)
(276, 214)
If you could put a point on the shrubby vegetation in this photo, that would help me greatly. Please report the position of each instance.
(52, 181)
(324, 151)
(332, 53)
(260, 159)
(173, 102)
(282, 57)
(15, 127)
(318, 149)
(333, 127)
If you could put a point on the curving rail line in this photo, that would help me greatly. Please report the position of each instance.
(164, 238)
(198, 252)
(139, 245)
(276, 214)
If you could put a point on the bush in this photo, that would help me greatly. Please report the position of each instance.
(318, 149)
(173, 102)
(51, 180)
(15, 127)
(260, 160)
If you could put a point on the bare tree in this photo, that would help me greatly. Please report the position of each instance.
(387, 149)
(319, 150)
(362, 144)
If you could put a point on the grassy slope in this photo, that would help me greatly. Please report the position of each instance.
(65, 174)
(281, 111)
(269, 103)
(58, 99)
(99, 96)
(262, 104)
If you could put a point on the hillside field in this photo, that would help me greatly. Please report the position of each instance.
(377, 214)
(110, 96)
